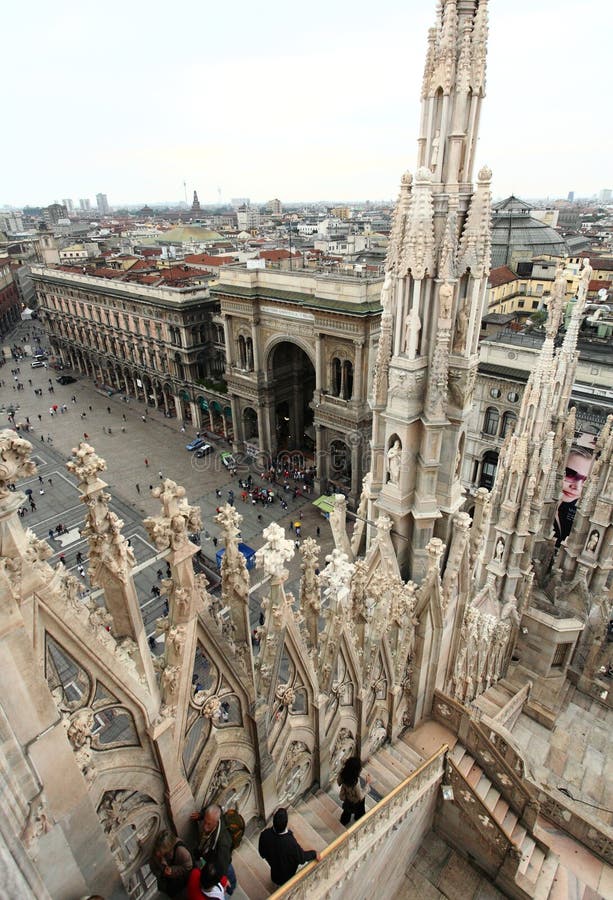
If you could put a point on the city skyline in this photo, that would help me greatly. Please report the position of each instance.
(306, 109)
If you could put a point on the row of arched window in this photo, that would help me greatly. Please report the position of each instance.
(492, 422)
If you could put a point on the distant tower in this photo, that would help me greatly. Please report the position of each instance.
(196, 203)
(103, 204)
(435, 288)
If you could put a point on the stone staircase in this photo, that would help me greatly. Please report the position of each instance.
(536, 873)
(315, 819)
(494, 700)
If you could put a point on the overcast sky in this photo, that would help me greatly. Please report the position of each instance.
(301, 101)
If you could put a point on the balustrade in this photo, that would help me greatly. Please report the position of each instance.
(520, 797)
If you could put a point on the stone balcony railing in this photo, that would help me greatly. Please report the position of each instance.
(456, 717)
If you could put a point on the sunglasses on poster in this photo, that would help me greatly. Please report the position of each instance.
(573, 475)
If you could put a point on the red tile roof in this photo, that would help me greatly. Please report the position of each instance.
(501, 275)
(599, 283)
(205, 259)
(181, 273)
(276, 255)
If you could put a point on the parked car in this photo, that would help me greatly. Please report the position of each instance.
(228, 460)
(39, 364)
(196, 444)
(65, 379)
(204, 451)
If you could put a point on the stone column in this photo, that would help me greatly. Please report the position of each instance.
(237, 420)
(319, 375)
(358, 374)
(255, 340)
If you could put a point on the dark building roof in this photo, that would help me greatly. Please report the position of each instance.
(516, 234)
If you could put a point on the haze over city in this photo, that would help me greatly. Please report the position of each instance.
(305, 104)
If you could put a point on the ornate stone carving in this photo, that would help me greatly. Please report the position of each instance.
(171, 530)
(275, 552)
(419, 241)
(86, 465)
(15, 462)
(37, 822)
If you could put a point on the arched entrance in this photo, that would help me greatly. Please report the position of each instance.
(292, 377)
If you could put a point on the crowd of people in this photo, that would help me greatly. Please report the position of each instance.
(203, 868)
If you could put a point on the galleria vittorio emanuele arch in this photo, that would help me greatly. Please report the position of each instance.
(437, 620)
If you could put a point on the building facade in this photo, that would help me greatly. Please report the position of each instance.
(300, 350)
(161, 345)
(10, 303)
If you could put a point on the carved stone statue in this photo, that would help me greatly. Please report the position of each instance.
(461, 329)
(394, 455)
(445, 296)
(499, 552)
(435, 149)
(412, 327)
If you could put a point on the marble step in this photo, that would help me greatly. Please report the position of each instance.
(457, 754)
(528, 848)
(474, 775)
(546, 877)
(382, 779)
(394, 765)
(252, 872)
(518, 835)
(412, 758)
(483, 787)
(317, 815)
(466, 763)
(500, 810)
(535, 866)
(306, 832)
(486, 706)
(491, 798)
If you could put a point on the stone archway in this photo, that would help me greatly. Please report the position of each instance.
(291, 377)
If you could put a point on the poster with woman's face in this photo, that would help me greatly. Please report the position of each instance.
(576, 471)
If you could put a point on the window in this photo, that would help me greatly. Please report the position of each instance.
(521, 304)
(488, 470)
(495, 393)
(508, 423)
(560, 656)
(512, 396)
(492, 418)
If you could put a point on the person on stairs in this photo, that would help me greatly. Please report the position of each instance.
(281, 850)
(352, 794)
(171, 864)
(206, 883)
(215, 843)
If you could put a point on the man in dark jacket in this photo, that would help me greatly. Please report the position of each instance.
(215, 843)
(281, 850)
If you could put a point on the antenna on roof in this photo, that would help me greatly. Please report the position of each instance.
(185, 189)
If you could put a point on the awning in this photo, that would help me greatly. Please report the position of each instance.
(325, 503)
